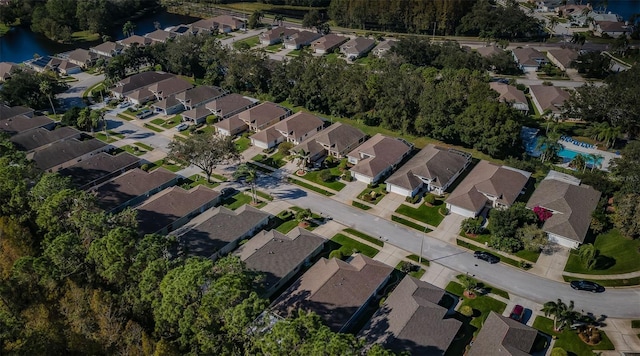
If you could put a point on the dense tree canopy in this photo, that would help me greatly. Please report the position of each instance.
(489, 20)
(31, 89)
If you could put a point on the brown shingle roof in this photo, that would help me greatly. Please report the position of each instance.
(199, 95)
(277, 32)
(503, 336)
(549, 97)
(160, 35)
(411, 320)
(564, 55)
(7, 112)
(572, 205)
(170, 86)
(196, 113)
(357, 45)
(98, 166)
(231, 124)
(266, 136)
(489, 51)
(302, 38)
(339, 136)
(328, 42)
(21, 123)
(65, 151)
(508, 93)
(380, 152)
(229, 105)
(82, 55)
(140, 40)
(130, 185)
(39, 137)
(262, 114)
(299, 124)
(138, 81)
(334, 289)
(276, 255)
(108, 47)
(204, 238)
(528, 56)
(6, 68)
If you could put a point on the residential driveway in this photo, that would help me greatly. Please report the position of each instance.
(73, 96)
(350, 192)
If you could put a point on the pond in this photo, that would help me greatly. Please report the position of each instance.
(21, 44)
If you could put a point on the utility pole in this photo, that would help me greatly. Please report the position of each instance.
(434, 31)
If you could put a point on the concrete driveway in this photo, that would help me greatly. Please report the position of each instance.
(73, 96)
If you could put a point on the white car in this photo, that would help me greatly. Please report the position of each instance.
(124, 105)
(182, 127)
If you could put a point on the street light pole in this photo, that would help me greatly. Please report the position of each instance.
(434, 30)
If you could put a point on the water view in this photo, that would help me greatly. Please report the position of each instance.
(20, 44)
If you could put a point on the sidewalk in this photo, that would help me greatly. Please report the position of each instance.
(551, 264)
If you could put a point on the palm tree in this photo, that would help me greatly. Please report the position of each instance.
(303, 215)
(553, 21)
(549, 146)
(587, 254)
(579, 163)
(47, 89)
(279, 19)
(128, 28)
(563, 314)
(250, 176)
(303, 159)
(469, 284)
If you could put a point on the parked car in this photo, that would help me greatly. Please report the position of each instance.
(517, 313)
(587, 285)
(182, 127)
(124, 104)
(144, 113)
(486, 256)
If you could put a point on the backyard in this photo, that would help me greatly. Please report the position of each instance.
(569, 339)
(616, 255)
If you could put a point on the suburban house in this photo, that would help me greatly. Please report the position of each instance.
(279, 257)
(142, 96)
(383, 47)
(230, 105)
(610, 28)
(138, 40)
(66, 153)
(82, 57)
(173, 207)
(99, 168)
(160, 36)
(63, 66)
(299, 127)
(336, 140)
(39, 64)
(488, 51)
(219, 231)
(205, 25)
(132, 187)
(40, 138)
(18, 124)
(181, 30)
(562, 57)
(266, 138)
(327, 43)
(263, 115)
(549, 98)
(511, 95)
(529, 59)
(107, 49)
(276, 35)
(434, 168)
(7, 112)
(168, 87)
(412, 319)
(6, 68)
(197, 115)
(199, 96)
(357, 47)
(571, 205)
(336, 290)
(500, 335)
(229, 22)
(301, 39)
(168, 106)
(488, 185)
(137, 82)
(231, 126)
(376, 157)
(569, 9)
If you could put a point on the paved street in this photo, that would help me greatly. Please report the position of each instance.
(73, 96)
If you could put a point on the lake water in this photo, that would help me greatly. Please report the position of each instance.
(20, 44)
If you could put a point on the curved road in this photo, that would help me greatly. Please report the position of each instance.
(614, 303)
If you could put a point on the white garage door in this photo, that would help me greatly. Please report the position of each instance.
(398, 190)
(361, 177)
(460, 211)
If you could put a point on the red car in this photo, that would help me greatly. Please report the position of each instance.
(517, 312)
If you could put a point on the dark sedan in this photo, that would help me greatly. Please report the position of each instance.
(486, 256)
(588, 286)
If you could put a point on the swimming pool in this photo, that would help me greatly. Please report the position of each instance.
(568, 155)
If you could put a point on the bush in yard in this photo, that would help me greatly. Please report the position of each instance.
(336, 254)
(558, 351)
(429, 199)
(347, 177)
(472, 226)
(507, 244)
(325, 175)
(211, 119)
(343, 165)
(145, 167)
(466, 310)
(414, 199)
(347, 251)
(407, 267)
(284, 148)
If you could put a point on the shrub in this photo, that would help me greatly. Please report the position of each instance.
(347, 177)
(284, 148)
(466, 310)
(347, 251)
(558, 351)
(211, 119)
(145, 167)
(325, 175)
(413, 200)
(430, 199)
(336, 254)
(472, 225)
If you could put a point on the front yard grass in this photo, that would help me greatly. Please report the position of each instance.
(359, 205)
(125, 117)
(243, 143)
(489, 288)
(380, 191)
(353, 245)
(276, 160)
(153, 128)
(239, 200)
(286, 221)
(507, 260)
(569, 339)
(415, 273)
(251, 41)
(173, 167)
(410, 224)
(332, 183)
(427, 214)
(616, 255)
(172, 122)
(483, 304)
(373, 240)
(143, 146)
(196, 180)
(310, 187)
(274, 48)
(104, 138)
(134, 150)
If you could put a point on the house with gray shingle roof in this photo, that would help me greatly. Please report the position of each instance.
(231, 126)
(337, 140)
(357, 47)
(336, 290)
(230, 105)
(327, 43)
(277, 35)
(82, 57)
(488, 51)
(132, 188)
(40, 138)
(199, 96)
(18, 124)
(434, 168)
(218, 231)
(384, 47)
(571, 205)
(562, 57)
(160, 36)
(488, 185)
(376, 157)
(66, 153)
(196, 115)
(500, 335)
(529, 59)
(137, 82)
(107, 49)
(99, 168)
(7, 112)
(6, 69)
(551, 98)
(413, 320)
(138, 40)
(299, 127)
(169, 87)
(264, 115)
(168, 106)
(279, 257)
(266, 138)
(511, 95)
(301, 39)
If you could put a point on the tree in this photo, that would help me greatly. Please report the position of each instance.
(579, 163)
(128, 28)
(303, 215)
(626, 168)
(472, 225)
(250, 175)
(255, 19)
(303, 159)
(279, 19)
(553, 22)
(627, 214)
(35, 90)
(47, 89)
(311, 19)
(549, 147)
(563, 314)
(588, 254)
(533, 238)
(204, 151)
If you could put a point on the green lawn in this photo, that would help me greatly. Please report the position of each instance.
(134, 150)
(360, 205)
(310, 187)
(524, 254)
(157, 121)
(380, 190)
(482, 305)
(218, 177)
(609, 282)
(239, 200)
(143, 146)
(276, 160)
(172, 122)
(125, 117)
(569, 339)
(294, 53)
(416, 258)
(373, 240)
(153, 128)
(3, 29)
(504, 259)
(208, 129)
(427, 214)
(84, 36)
(242, 143)
(489, 288)
(251, 41)
(410, 224)
(616, 254)
(334, 183)
(354, 245)
(274, 48)
(417, 273)
(264, 195)
(115, 134)
(197, 179)
(285, 221)
(166, 165)
(104, 138)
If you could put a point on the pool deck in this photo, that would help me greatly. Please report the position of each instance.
(607, 156)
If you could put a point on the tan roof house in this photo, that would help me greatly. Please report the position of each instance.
(299, 127)
(264, 115)
(336, 290)
(357, 47)
(413, 320)
(132, 188)
(562, 57)
(279, 257)
(231, 126)
(277, 35)
(18, 124)
(511, 95)
(107, 49)
(137, 82)
(218, 231)
(6, 68)
(160, 36)
(40, 138)
(434, 168)
(500, 335)
(384, 47)
(488, 185)
(377, 156)
(327, 43)
(337, 140)
(227, 21)
(199, 96)
(549, 98)
(529, 59)
(610, 28)
(301, 39)
(230, 105)
(266, 138)
(169, 106)
(169, 87)
(196, 115)
(571, 205)
(99, 168)
(65, 153)
(82, 57)
(141, 41)
(488, 51)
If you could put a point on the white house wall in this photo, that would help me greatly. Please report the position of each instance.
(563, 241)
(461, 211)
